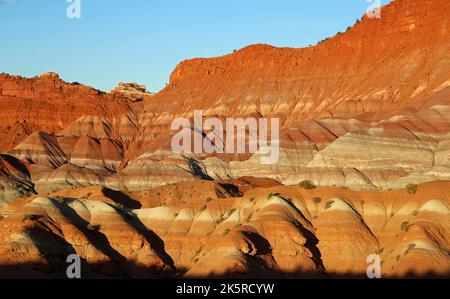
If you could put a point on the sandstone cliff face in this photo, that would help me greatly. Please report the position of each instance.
(49, 104)
(379, 64)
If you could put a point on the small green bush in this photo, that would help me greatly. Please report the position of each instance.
(220, 220)
(307, 185)
(405, 226)
(412, 189)
(231, 212)
(93, 228)
(317, 200)
(249, 218)
(60, 200)
(329, 204)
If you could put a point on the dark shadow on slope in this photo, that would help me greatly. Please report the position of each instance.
(27, 270)
(260, 255)
(121, 198)
(95, 237)
(230, 190)
(197, 170)
(311, 239)
(150, 236)
(53, 248)
(16, 163)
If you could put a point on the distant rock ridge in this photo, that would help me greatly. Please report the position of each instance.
(377, 65)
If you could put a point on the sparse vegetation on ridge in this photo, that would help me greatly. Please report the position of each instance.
(307, 185)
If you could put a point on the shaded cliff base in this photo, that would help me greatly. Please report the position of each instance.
(132, 270)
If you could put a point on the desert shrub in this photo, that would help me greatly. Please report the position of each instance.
(118, 206)
(226, 232)
(405, 226)
(249, 217)
(307, 185)
(324, 40)
(415, 213)
(93, 228)
(59, 200)
(202, 208)
(209, 199)
(220, 220)
(231, 212)
(124, 211)
(254, 185)
(329, 204)
(317, 200)
(412, 188)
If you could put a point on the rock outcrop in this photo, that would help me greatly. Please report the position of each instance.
(132, 91)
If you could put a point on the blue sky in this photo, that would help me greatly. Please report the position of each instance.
(143, 40)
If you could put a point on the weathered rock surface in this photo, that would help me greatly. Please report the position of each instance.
(93, 173)
(132, 91)
(265, 232)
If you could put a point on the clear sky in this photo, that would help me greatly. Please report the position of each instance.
(143, 40)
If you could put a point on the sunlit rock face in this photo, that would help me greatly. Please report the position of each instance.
(363, 164)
